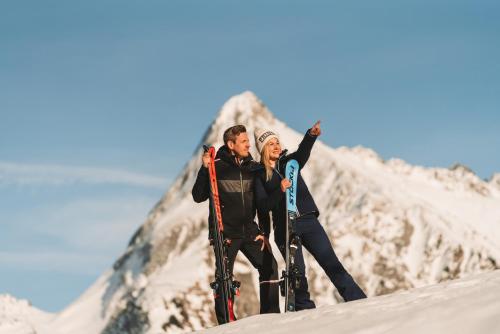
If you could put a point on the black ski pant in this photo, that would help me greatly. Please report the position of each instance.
(265, 263)
(314, 238)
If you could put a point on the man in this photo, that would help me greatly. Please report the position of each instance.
(235, 170)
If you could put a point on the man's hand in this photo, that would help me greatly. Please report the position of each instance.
(285, 184)
(205, 159)
(316, 129)
(265, 242)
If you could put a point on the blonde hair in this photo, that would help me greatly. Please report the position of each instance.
(266, 161)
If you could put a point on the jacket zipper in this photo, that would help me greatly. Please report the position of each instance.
(242, 198)
(242, 195)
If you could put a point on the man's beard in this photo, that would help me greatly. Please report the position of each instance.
(245, 155)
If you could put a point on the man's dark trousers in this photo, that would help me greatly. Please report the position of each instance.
(265, 263)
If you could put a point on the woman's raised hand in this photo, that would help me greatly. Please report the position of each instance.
(316, 129)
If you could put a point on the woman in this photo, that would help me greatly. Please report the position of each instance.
(270, 188)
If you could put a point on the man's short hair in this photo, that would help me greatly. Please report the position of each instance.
(233, 132)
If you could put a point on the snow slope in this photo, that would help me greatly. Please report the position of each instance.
(394, 226)
(463, 306)
(19, 317)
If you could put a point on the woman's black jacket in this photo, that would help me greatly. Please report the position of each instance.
(269, 196)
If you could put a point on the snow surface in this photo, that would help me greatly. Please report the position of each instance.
(464, 306)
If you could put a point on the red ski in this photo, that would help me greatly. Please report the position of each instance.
(224, 287)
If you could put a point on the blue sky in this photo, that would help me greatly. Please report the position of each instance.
(102, 102)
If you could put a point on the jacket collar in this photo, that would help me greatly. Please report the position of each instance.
(225, 154)
(281, 159)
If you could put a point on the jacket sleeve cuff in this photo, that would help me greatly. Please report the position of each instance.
(310, 134)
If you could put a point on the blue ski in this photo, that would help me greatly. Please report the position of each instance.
(291, 276)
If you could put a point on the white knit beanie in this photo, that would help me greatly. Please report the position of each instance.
(262, 137)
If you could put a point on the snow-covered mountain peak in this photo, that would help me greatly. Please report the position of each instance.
(242, 108)
(246, 109)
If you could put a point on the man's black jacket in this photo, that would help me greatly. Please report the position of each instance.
(236, 194)
(269, 196)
